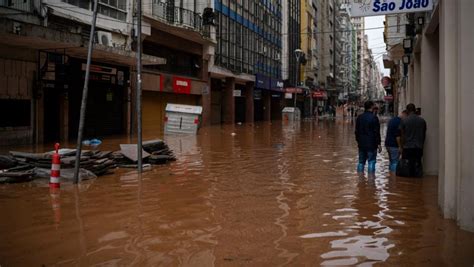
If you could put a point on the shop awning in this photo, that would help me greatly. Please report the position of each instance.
(113, 55)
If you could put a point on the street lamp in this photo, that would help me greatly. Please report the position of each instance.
(407, 45)
(406, 59)
(298, 54)
(406, 62)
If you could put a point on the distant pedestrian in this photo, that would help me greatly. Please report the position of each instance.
(392, 140)
(367, 134)
(376, 111)
(413, 134)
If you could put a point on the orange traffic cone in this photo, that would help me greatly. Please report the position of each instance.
(55, 169)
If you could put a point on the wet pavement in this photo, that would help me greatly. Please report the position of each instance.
(268, 195)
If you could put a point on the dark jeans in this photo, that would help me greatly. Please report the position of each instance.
(369, 156)
(414, 157)
(394, 156)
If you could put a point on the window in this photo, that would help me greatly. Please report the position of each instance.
(116, 9)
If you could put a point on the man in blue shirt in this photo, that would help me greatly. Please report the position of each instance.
(367, 134)
(392, 140)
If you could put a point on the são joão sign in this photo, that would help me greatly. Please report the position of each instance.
(364, 8)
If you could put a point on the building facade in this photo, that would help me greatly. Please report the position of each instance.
(359, 25)
(436, 76)
(348, 54)
(247, 61)
(47, 44)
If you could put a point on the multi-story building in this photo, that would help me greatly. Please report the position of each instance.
(394, 33)
(328, 46)
(184, 77)
(348, 53)
(308, 46)
(45, 54)
(246, 74)
(359, 25)
(308, 43)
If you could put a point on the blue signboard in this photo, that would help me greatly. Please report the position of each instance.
(262, 81)
(276, 85)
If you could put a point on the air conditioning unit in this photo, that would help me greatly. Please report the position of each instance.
(104, 38)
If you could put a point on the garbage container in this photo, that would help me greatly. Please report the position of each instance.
(291, 114)
(182, 118)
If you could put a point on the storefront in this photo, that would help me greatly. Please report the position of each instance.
(17, 96)
(290, 97)
(320, 98)
(240, 103)
(258, 104)
(277, 97)
(107, 98)
(262, 98)
(161, 89)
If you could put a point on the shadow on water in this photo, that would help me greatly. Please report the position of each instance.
(262, 194)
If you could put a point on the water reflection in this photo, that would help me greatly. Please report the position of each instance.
(269, 194)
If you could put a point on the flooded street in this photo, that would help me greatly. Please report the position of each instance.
(268, 195)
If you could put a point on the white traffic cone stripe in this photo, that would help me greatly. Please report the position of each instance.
(54, 180)
(55, 167)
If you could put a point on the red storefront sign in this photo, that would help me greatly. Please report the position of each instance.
(292, 90)
(386, 82)
(388, 98)
(319, 94)
(181, 85)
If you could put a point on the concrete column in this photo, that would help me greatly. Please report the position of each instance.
(206, 104)
(267, 105)
(429, 100)
(40, 118)
(448, 105)
(410, 87)
(465, 111)
(64, 118)
(228, 102)
(127, 106)
(249, 104)
(415, 93)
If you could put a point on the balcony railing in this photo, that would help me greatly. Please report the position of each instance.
(177, 16)
(21, 5)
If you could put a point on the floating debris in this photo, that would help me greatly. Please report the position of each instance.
(24, 166)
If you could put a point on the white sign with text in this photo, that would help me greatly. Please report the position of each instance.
(365, 8)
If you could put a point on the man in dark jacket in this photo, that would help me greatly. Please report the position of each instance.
(413, 134)
(367, 134)
(392, 140)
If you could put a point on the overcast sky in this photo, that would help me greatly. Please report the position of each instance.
(376, 42)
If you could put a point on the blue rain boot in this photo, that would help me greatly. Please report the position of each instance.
(393, 167)
(360, 168)
(371, 167)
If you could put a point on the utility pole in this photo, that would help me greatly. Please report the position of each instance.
(334, 44)
(139, 86)
(85, 91)
(296, 81)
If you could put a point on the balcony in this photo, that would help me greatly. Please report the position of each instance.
(176, 16)
(20, 5)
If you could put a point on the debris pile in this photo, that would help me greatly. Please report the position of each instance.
(23, 166)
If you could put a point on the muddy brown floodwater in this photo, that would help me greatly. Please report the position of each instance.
(270, 195)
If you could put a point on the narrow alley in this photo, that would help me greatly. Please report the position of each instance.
(257, 195)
